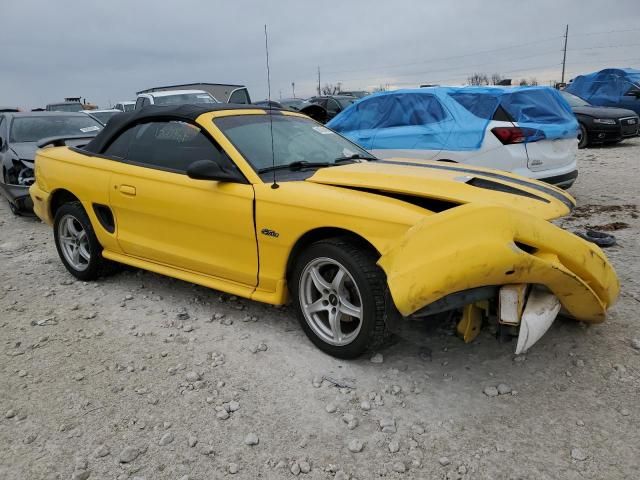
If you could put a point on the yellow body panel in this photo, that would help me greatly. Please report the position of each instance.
(480, 250)
(211, 233)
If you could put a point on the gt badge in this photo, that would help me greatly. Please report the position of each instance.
(270, 233)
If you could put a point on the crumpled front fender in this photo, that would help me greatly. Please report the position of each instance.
(478, 245)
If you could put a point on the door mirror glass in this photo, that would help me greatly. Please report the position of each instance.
(208, 170)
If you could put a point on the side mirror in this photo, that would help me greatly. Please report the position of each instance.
(209, 170)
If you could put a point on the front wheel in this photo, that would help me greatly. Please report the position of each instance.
(339, 295)
(76, 242)
(583, 139)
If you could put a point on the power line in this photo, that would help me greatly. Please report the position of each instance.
(435, 59)
(468, 67)
(462, 68)
(603, 33)
(480, 52)
(607, 46)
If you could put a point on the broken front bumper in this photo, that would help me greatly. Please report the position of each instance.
(483, 245)
(18, 195)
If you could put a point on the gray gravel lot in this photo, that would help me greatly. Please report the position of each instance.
(145, 377)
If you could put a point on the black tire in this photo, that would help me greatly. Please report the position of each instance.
(583, 138)
(97, 265)
(360, 262)
(14, 208)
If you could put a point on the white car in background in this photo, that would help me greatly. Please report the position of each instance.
(528, 131)
(125, 106)
(174, 97)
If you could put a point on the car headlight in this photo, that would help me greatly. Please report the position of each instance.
(604, 121)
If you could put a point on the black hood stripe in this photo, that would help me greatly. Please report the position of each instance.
(541, 188)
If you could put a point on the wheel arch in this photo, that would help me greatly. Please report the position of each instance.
(58, 198)
(322, 233)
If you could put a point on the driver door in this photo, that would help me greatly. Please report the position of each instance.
(164, 216)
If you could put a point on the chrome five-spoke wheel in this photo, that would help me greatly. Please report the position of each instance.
(330, 301)
(74, 242)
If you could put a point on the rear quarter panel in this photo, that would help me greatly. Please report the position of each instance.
(86, 177)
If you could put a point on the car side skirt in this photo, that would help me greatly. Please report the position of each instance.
(277, 297)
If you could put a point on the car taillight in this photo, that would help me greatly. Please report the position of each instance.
(511, 135)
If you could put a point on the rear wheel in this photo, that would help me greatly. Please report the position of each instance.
(583, 139)
(338, 292)
(76, 242)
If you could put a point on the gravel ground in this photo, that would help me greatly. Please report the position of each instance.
(144, 377)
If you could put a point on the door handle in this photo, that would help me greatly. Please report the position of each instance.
(129, 190)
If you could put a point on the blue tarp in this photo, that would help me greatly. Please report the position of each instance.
(608, 88)
(451, 118)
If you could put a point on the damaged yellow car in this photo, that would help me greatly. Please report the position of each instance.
(270, 205)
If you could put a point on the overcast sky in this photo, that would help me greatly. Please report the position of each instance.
(106, 51)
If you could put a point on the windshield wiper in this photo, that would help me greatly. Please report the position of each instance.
(298, 165)
(355, 156)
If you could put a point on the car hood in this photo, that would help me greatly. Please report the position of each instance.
(449, 184)
(25, 150)
(605, 112)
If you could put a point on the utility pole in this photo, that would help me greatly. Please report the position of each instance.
(564, 55)
(293, 89)
(318, 80)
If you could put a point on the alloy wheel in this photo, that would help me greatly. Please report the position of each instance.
(74, 242)
(331, 301)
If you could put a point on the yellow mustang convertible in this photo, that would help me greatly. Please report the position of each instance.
(267, 204)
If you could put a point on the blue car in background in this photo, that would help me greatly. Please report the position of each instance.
(530, 131)
(611, 87)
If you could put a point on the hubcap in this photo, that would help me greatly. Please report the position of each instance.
(330, 301)
(74, 242)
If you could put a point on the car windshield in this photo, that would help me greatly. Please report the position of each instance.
(32, 129)
(574, 100)
(129, 107)
(346, 101)
(295, 139)
(103, 116)
(294, 103)
(184, 98)
(67, 107)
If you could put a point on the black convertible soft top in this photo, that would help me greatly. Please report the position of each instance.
(120, 122)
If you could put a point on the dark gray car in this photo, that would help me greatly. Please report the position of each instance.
(20, 134)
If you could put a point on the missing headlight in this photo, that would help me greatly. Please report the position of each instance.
(21, 173)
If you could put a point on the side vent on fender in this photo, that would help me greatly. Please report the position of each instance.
(105, 217)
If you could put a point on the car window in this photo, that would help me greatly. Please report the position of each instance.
(172, 146)
(120, 146)
(367, 114)
(333, 106)
(480, 105)
(184, 98)
(139, 103)
(239, 96)
(34, 128)
(345, 102)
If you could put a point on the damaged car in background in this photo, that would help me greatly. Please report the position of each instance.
(271, 205)
(20, 135)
